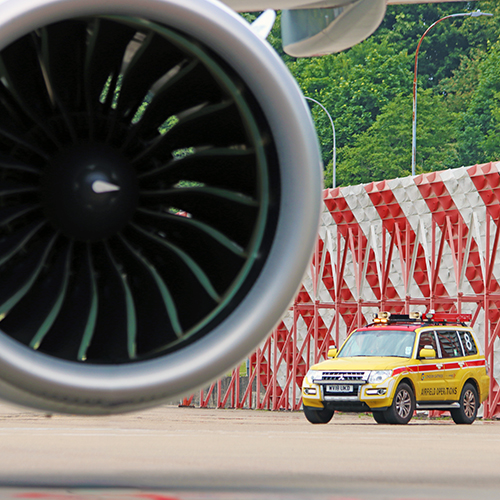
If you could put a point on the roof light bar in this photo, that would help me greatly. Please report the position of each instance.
(385, 317)
(447, 317)
(381, 318)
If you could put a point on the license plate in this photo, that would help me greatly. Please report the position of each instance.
(339, 388)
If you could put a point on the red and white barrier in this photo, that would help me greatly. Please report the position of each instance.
(408, 244)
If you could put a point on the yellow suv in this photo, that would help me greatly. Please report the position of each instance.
(399, 364)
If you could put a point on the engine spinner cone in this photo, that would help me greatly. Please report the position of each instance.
(90, 192)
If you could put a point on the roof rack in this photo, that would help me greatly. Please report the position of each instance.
(385, 317)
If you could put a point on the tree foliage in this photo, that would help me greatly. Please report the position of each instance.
(384, 150)
(480, 122)
(368, 92)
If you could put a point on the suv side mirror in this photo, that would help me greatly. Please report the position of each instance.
(332, 353)
(427, 352)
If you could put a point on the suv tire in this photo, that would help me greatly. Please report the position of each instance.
(469, 404)
(403, 406)
(318, 416)
(379, 417)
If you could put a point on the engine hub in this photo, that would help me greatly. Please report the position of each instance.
(90, 192)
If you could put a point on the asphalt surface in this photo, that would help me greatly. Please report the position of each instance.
(195, 454)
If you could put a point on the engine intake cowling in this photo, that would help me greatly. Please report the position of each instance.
(159, 199)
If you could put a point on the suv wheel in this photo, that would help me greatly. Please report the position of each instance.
(469, 404)
(318, 416)
(403, 406)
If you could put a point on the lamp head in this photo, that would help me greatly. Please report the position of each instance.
(478, 13)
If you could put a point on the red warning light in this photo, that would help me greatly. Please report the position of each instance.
(448, 317)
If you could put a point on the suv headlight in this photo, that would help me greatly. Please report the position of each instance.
(313, 375)
(377, 377)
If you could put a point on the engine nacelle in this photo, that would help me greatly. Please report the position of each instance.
(160, 189)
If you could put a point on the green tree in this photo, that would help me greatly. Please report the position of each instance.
(368, 91)
(443, 49)
(354, 87)
(384, 150)
(479, 134)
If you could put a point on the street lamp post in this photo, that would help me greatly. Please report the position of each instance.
(414, 131)
(334, 140)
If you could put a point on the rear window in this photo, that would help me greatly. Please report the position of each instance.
(450, 345)
(467, 339)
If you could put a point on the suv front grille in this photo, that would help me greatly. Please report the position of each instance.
(357, 377)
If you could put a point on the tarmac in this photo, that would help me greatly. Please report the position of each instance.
(192, 454)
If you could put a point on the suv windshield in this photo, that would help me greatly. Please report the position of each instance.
(397, 343)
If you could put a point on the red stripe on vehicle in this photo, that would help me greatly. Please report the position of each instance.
(477, 362)
(454, 365)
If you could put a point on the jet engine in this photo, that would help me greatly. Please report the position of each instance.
(160, 188)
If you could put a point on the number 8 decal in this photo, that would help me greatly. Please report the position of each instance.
(468, 342)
